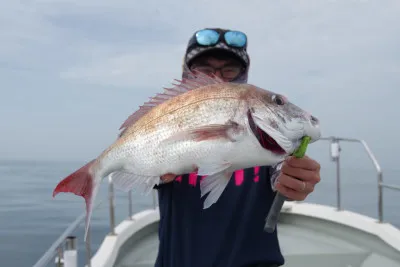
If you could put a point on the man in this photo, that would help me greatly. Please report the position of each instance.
(230, 233)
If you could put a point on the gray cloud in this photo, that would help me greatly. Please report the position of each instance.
(72, 71)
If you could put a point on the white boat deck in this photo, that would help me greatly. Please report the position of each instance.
(310, 235)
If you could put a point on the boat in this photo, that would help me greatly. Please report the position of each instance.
(330, 236)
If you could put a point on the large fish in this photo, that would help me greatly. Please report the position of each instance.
(201, 124)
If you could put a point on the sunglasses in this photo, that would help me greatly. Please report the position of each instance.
(208, 37)
(227, 72)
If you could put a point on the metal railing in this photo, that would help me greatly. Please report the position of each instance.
(335, 155)
(55, 252)
(56, 247)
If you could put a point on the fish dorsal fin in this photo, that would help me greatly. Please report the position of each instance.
(196, 80)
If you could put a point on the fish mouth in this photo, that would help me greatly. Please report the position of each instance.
(265, 140)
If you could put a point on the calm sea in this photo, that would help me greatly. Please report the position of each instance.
(31, 220)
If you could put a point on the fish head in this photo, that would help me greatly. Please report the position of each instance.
(280, 125)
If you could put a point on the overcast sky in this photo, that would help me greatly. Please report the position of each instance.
(71, 71)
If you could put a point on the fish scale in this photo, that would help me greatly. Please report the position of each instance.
(201, 123)
(170, 125)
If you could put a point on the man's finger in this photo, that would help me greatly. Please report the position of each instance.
(290, 193)
(302, 174)
(303, 163)
(169, 177)
(295, 184)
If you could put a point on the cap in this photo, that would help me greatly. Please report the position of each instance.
(194, 50)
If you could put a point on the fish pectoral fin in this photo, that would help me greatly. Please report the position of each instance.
(230, 131)
(125, 181)
(215, 182)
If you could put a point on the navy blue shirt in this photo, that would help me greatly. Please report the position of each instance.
(230, 233)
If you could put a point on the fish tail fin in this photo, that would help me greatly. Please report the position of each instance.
(81, 183)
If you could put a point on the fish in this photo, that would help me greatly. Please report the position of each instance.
(201, 124)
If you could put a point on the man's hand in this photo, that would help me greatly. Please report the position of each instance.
(170, 177)
(167, 178)
(298, 177)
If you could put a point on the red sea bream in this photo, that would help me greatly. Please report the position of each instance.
(204, 125)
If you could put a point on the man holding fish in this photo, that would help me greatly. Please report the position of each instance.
(229, 233)
(197, 144)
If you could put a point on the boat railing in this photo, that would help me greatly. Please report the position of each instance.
(55, 252)
(68, 257)
(63, 250)
(335, 156)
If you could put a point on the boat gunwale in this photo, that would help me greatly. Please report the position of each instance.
(107, 254)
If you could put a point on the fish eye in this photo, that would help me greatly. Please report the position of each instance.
(278, 100)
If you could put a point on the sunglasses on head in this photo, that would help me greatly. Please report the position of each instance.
(209, 37)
